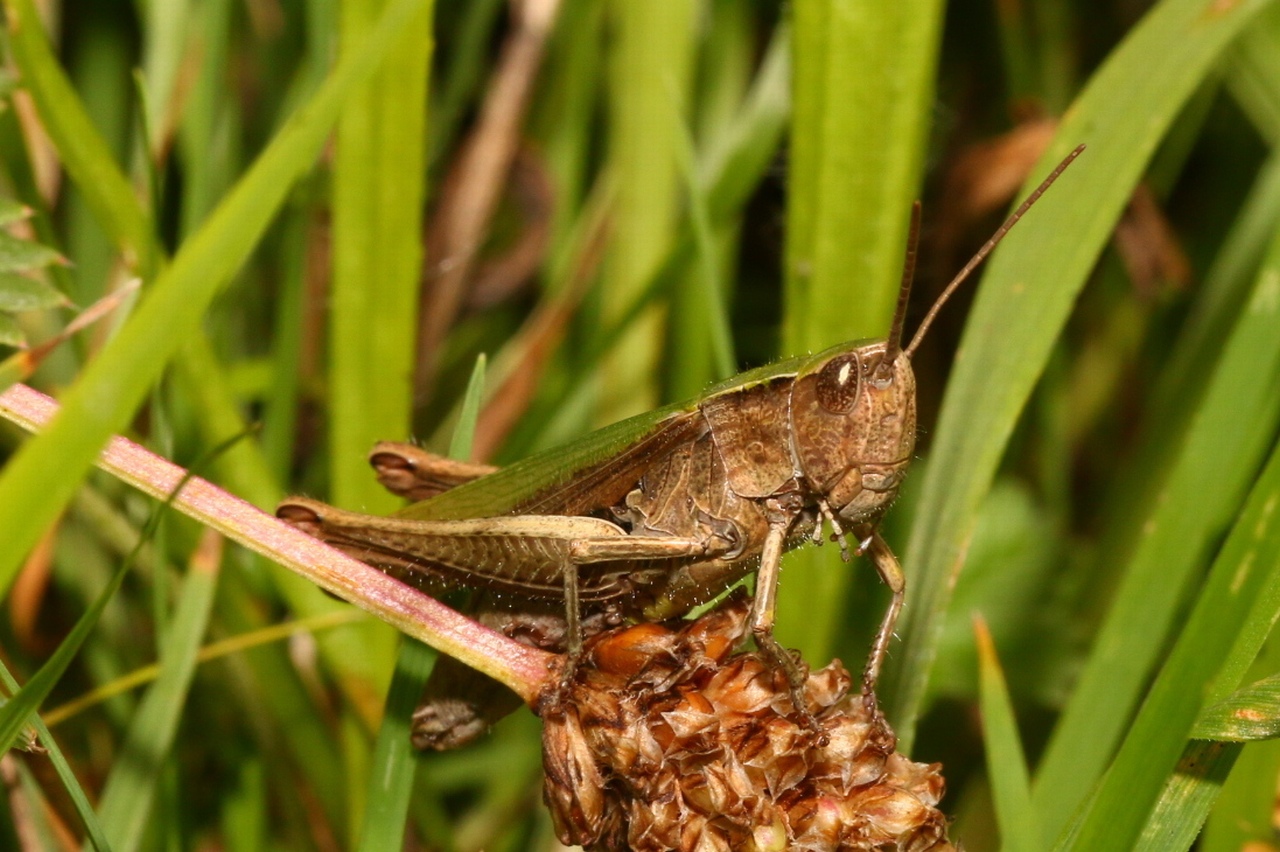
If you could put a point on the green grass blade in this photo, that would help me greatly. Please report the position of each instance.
(1245, 809)
(699, 344)
(1251, 713)
(379, 184)
(115, 382)
(1026, 296)
(18, 709)
(863, 99)
(733, 167)
(1243, 806)
(1202, 494)
(129, 794)
(1006, 763)
(462, 75)
(92, 827)
(704, 333)
(465, 431)
(394, 762)
(1241, 594)
(1187, 797)
(1252, 70)
(650, 77)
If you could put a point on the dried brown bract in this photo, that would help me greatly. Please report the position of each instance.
(667, 741)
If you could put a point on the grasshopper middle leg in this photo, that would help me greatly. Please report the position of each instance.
(781, 514)
(589, 551)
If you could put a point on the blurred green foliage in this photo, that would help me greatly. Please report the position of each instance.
(682, 189)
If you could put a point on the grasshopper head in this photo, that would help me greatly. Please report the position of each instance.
(853, 408)
(853, 417)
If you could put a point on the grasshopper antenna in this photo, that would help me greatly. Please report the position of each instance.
(987, 247)
(894, 344)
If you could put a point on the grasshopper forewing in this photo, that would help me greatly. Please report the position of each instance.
(652, 516)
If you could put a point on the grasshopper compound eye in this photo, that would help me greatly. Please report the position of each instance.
(838, 383)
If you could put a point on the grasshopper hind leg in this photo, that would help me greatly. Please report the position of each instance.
(458, 705)
(416, 474)
(573, 637)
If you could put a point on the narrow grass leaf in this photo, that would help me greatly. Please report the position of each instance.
(1187, 797)
(1201, 496)
(17, 711)
(1226, 627)
(465, 431)
(650, 64)
(1243, 807)
(1006, 762)
(394, 762)
(83, 153)
(1027, 294)
(863, 103)
(1252, 713)
(247, 817)
(708, 319)
(734, 166)
(379, 185)
(463, 70)
(1252, 71)
(1224, 291)
(92, 827)
(129, 793)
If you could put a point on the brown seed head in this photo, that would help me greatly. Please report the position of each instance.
(667, 741)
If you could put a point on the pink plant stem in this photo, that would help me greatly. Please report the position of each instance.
(523, 669)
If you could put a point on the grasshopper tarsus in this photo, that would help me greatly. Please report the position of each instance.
(782, 659)
(870, 702)
(552, 700)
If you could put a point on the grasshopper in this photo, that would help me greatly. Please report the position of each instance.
(659, 513)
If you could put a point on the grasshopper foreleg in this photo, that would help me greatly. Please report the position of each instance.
(890, 571)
